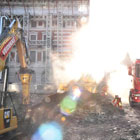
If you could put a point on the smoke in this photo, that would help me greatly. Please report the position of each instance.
(65, 71)
(104, 44)
(120, 83)
(116, 29)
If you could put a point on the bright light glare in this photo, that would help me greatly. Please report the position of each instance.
(116, 27)
(112, 32)
(100, 47)
(120, 83)
(77, 92)
(68, 106)
(48, 131)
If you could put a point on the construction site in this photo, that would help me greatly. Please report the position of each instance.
(69, 70)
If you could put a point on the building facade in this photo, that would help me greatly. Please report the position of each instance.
(48, 27)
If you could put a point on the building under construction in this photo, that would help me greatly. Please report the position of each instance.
(48, 26)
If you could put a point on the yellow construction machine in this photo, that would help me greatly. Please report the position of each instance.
(9, 37)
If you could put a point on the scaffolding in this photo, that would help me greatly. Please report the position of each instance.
(26, 28)
(63, 10)
(59, 30)
(48, 64)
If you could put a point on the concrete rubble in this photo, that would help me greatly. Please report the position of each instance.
(95, 119)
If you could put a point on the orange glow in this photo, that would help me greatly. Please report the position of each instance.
(76, 91)
(63, 119)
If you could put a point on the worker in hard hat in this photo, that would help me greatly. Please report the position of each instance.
(117, 102)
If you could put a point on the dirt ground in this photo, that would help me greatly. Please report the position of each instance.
(95, 119)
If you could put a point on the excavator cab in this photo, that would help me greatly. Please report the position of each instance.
(8, 121)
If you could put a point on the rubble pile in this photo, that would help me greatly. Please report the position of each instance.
(100, 120)
(95, 118)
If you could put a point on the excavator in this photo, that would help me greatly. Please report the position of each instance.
(9, 37)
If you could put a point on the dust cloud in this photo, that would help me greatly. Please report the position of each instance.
(113, 31)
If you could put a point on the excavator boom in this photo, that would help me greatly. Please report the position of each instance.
(13, 36)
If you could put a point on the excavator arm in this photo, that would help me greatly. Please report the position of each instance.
(13, 36)
(25, 73)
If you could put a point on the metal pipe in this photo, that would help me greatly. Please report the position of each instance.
(1, 23)
(4, 89)
(5, 32)
(10, 26)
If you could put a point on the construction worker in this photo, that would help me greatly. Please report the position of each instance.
(117, 102)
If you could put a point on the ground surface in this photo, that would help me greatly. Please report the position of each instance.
(95, 119)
